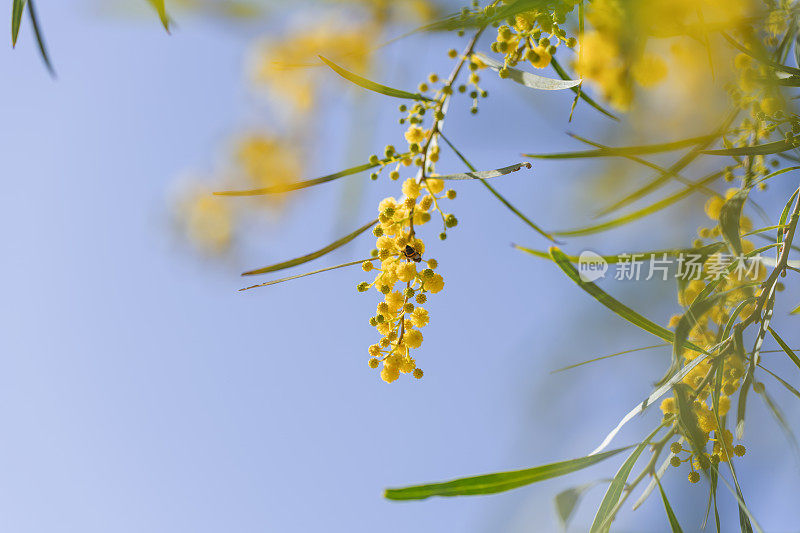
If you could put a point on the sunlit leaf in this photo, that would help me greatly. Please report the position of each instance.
(623, 151)
(499, 482)
(371, 85)
(607, 510)
(161, 9)
(527, 79)
(314, 255)
(275, 189)
(641, 213)
(484, 174)
(775, 147)
(703, 252)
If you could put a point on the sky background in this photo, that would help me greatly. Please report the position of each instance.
(139, 391)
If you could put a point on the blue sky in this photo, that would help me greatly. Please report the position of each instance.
(139, 391)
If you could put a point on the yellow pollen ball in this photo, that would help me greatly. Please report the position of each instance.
(389, 373)
(406, 271)
(419, 317)
(434, 186)
(713, 207)
(411, 188)
(415, 135)
(413, 338)
(435, 283)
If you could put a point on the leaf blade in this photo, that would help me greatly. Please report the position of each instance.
(371, 85)
(532, 81)
(497, 482)
(313, 255)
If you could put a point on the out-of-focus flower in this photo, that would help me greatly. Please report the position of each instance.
(206, 220)
(282, 66)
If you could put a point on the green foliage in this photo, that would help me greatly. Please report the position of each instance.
(499, 482)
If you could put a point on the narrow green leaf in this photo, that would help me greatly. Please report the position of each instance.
(607, 510)
(276, 281)
(781, 380)
(161, 9)
(17, 8)
(498, 482)
(566, 502)
(641, 213)
(579, 92)
(275, 189)
(613, 304)
(371, 85)
(484, 174)
(795, 311)
(496, 194)
(647, 402)
(785, 347)
(314, 255)
(703, 252)
(527, 79)
(688, 419)
(673, 520)
(664, 175)
(40, 38)
(780, 418)
(775, 147)
(624, 151)
(729, 218)
(576, 365)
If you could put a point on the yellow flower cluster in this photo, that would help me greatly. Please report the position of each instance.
(738, 289)
(533, 36)
(614, 55)
(281, 65)
(403, 284)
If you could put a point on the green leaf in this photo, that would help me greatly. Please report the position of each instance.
(795, 311)
(566, 501)
(275, 189)
(371, 85)
(578, 91)
(673, 520)
(703, 252)
(498, 482)
(276, 281)
(614, 305)
(688, 419)
(314, 255)
(633, 350)
(17, 7)
(781, 380)
(496, 194)
(484, 174)
(608, 507)
(40, 38)
(625, 151)
(775, 147)
(527, 79)
(785, 347)
(641, 213)
(161, 9)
